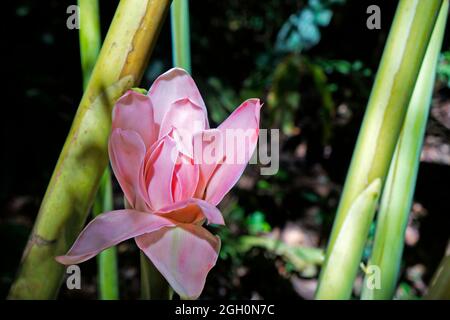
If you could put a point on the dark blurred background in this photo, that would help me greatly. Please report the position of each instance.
(312, 62)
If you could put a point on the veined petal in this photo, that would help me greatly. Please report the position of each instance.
(208, 153)
(184, 255)
(172, 86)
(188, 117)
(239, 137)
(127, 152)
(134, 111)
(192, 211)
(109, 229)
(159, 168)
(185, 178)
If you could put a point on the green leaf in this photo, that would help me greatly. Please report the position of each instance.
(354, 230)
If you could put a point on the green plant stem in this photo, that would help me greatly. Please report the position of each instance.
(90, 43)
(439, 288)
(108, 278)
(181, 47)
(385, 113)
(398, 192)
(153, 284)
(89, 36)
(75, 180)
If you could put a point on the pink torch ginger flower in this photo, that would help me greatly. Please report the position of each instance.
(173, 170)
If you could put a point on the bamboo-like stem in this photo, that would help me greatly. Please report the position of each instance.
(125, 52)
(439, 288)
(398, 192)
(90, 43)
(392, 90)
(181, 46)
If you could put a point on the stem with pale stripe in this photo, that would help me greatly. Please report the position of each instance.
(402, 57)
(398, 192)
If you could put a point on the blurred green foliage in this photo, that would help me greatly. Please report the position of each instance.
(254, 233)
(301, 31)
(301, 259)
(443, 69)
(256, 223)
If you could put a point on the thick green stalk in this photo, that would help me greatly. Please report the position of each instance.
(385, 113)
(398, 192)
(90, 43)
(75, 180)
(181, 47)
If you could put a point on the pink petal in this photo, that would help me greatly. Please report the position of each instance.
(192, 211)
(184, 114)
(208, 152)
(159, 170)
(172, 86)
(134, 111)
(184, 255)
(185, 178)
(127, 152)
(109, 229)
(188, 118)
(240, 136)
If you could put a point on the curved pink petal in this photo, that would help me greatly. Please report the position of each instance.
(127, 152)
(133, 111)
(185, 178)
(240, 135)
(184, 114)
(109, 229)
(192, 211)
(184, 255)
(208, 152)
(174, 85)
(188, 118)
(159, 170)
